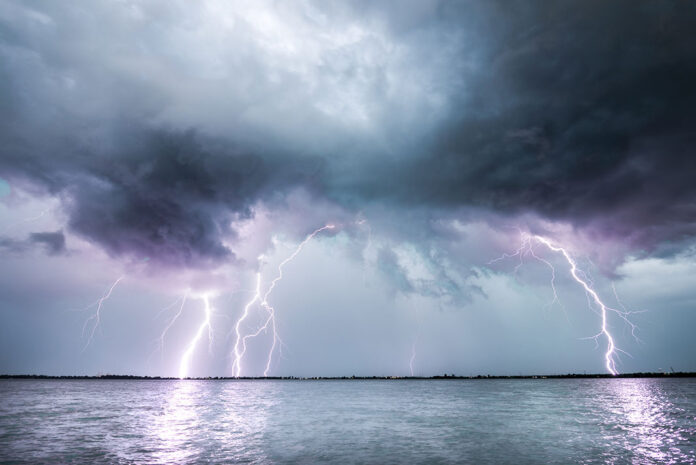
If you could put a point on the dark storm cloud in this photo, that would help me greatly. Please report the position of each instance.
(166, 197)
(158, 138)
(54, 242)
(173, 199)
(578, 111)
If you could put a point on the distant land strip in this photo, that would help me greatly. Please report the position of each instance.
(679, 374)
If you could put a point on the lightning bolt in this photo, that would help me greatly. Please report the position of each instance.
(611, 346)
(625, 312)
(413, 357)
(527, 248)
(186, 358)
(239, 352)
(172, 320)
(241, 341)
(97, 314)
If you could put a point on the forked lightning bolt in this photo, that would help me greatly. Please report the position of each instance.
(241, 341)
(611, 346)
(581, 278)
(97, 314)
(173, 320)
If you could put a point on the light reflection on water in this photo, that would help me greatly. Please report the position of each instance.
(174, 429)
(637, 421)
(211, 422)
(650, 425)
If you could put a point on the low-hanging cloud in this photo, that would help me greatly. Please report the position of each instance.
(53, 241)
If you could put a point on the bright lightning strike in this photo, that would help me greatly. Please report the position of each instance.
(240, 351)
(97, 314)
(241, 341)
(186, 358)
(609, 354)
(581, 278)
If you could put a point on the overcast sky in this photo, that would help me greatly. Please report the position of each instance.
(185, 147)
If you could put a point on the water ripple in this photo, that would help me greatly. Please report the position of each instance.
(637, 421)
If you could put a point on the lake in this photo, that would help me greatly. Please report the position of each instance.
(562, 421)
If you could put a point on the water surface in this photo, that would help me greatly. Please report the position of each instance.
(562, 421)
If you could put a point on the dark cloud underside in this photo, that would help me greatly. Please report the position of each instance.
(54, 242)
(581, 111)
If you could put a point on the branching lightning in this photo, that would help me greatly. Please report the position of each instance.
(240, 345)
(186, 358)
(172, 320)
(625, 312)
(527, 249)
(611, 346)
(97, 314)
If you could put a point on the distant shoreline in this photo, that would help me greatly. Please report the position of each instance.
(351, 378)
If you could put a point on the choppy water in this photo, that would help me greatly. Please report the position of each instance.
(449, 421)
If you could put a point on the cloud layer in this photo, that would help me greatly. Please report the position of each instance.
(164, 125)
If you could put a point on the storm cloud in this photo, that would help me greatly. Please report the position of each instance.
(54, 242)
(163, 125)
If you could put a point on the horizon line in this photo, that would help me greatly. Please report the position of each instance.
(673, 374)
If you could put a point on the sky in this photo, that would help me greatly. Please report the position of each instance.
(162, 163)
